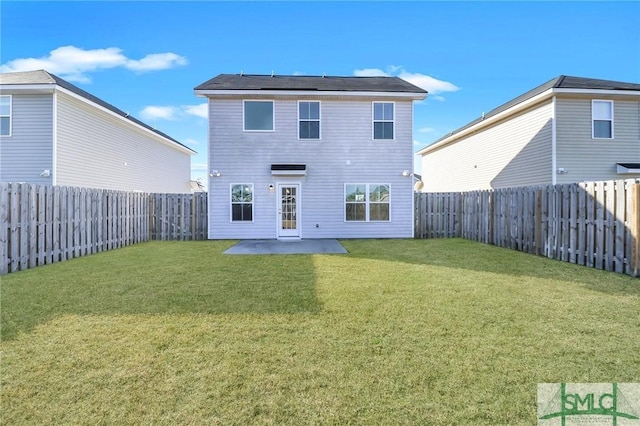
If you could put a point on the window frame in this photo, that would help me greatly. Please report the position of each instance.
(273, 115)
(10, 116)
(319, 120)
(594, 118)
(374, 121)
(367, 202)
(231, 202)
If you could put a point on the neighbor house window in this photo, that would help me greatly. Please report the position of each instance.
(309, 120)
(383, 120)
(366, 202)
(258, 116)
(242, 202)
(5, 115)
(602, 118)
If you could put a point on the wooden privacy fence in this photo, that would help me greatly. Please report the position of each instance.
(46, 224)
(596, 224)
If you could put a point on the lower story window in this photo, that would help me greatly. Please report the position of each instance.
(242, 202)
(367, 202)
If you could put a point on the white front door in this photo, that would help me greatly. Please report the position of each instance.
(289, 210)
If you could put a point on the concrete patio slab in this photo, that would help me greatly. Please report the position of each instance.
(321, 246)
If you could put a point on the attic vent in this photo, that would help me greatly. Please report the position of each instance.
(288, 169)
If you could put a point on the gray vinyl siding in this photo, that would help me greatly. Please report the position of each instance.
(97, 150)
(510, 153)
(346, 131)
(29, 150)
(588, 159)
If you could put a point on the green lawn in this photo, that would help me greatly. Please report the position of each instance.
(422, 332)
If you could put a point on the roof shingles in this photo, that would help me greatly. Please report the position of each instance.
(308, 83)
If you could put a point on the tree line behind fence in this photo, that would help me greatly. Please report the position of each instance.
(40, 224)
(596, 224)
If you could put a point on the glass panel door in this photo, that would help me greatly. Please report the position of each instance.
(288, 222)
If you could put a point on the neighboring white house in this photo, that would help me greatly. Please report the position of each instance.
(54, 133)
(310, 157)
(567, 130)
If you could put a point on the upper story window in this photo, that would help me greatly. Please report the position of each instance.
(602, 119)
(309, 120)
(383, 120)
(5, 115)
(366, 202)
(258, 116)
(242, 202)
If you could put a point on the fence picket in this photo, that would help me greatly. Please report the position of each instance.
(591, 223)
(4, 228)
(41, 225)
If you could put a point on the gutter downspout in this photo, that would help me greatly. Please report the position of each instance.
(554, 159)
(54, 153)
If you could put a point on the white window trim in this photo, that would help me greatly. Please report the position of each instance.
(273, 116)
(253, 205)
(373, 120)
(366, 203)
(319, 121)
(593, 119)
(10, 116)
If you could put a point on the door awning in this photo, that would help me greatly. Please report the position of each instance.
(288, 169)
(628, 168)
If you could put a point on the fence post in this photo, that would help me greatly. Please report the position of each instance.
(635, 230)
(538, 223)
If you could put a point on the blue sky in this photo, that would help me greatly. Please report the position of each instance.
(146, 57)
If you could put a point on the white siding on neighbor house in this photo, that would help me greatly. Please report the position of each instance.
(588, 159)
(98, 150)
(345, 154)
(513, 152)
(29, 150)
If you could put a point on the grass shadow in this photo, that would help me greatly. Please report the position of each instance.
(470, 255)
(158, 278)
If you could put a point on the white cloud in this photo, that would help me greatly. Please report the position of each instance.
(155, 62)
(370, 72)
(159, 113)
(73, 63)
(426, 82)
(426, 130)
(201, 110)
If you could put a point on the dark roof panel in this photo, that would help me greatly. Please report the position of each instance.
(309, 83)
(568, 82)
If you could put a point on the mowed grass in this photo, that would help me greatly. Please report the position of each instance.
(433, 332)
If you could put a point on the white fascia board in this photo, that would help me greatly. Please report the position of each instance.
(28, 88)
(598, 92)
(129, 122)
(489, 121)
(308, 93)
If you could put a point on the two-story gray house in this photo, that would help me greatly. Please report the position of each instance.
(567, 130)
(310, 157)
(54, 133)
